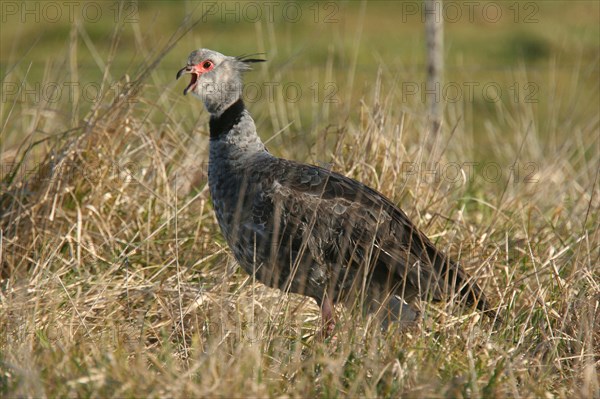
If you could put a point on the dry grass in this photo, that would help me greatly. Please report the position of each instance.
(116, 281)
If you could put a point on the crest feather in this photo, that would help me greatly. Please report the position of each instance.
(245, 58)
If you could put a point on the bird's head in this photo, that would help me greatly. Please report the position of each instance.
(215, 78)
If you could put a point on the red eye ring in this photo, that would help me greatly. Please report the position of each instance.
(206, 65)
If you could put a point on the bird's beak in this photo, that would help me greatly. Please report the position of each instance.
(185, 69)
(188, 69)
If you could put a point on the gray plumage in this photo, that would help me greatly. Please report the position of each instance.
(306, 229)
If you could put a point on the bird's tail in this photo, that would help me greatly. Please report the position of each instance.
(468, 289)
(453, 278)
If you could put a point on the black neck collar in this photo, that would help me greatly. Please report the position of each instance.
(220, 125)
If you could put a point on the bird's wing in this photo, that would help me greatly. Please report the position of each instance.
(339, 219)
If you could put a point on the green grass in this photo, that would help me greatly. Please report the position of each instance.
(115, 280)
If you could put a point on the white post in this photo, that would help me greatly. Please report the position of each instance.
(434, 36)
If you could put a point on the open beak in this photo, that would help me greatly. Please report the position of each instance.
(189, 69)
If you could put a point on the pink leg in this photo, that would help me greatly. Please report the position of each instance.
(327, 318)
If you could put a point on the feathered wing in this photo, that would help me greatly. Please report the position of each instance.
(330, 219)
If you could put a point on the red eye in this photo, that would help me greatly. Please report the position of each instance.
(206, 65)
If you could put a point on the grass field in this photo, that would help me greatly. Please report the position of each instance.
(116, 282)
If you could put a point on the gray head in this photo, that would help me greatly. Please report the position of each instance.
(216, 78)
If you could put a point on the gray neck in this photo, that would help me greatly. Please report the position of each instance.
(218, 97)
(233, 134)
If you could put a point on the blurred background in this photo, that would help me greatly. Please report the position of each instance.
(324, 59)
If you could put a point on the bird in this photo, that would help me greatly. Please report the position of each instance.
(306, 229)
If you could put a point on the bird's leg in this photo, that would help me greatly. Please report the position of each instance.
(327, 318)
